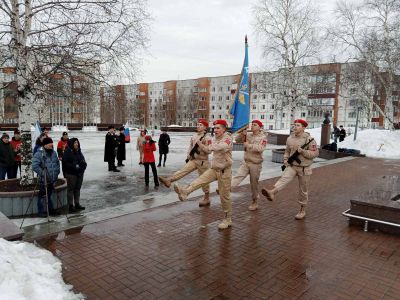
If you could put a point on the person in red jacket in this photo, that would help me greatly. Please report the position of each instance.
(62, 145)
(149, 146)
(16, 146)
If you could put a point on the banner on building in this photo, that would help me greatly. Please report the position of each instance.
(240, 108)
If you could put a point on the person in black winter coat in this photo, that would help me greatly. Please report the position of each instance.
(110, 149)
(7, 158)
(342, 133)
(121, 152)
(163, 148)
(74, 166)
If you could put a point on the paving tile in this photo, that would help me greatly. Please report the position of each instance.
(163, 253)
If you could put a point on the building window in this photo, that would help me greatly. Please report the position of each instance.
(263, 106)
(272, 106)
(271, 117)
(227, 98)
(263, 96)
(262, 117)
(283, 115)
(213, 107)
(227, 107)
(254, 96)
(352, 114)
(213, 89)
(254, 106)
(303, 114)
(212, 98)
(229, 88)
(220, 98)
(270, 127)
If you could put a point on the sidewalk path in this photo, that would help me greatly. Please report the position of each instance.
(176, 252)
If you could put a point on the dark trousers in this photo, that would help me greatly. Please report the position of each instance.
(6, 171)
(146, 173)
(165, 158)
(74, 183)
(41, 203)
(111, 163)
(15, 169)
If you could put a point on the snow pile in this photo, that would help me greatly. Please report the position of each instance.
(28, 272)
(376, 143)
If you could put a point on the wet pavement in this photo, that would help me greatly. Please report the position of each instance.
(175, 251)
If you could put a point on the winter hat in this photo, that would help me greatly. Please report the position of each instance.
(46, 141)
(258, 122)
(65, 133)
(301, 121)
(147, 137)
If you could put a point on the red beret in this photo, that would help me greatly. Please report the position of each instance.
(147, 137)
(221, 122)
(301, 121)
(204, 122)
(258, 122)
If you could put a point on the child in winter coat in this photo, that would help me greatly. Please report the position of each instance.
(149, 146)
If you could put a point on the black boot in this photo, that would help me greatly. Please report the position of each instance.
(79, 207)
(116, 170)
(71, 209)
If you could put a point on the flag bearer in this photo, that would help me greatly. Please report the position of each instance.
(254, 145)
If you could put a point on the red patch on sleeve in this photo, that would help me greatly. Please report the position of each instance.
(313, 147)
(228, 141)
(264, 142)
(209, 142)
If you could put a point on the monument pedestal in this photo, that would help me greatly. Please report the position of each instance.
(325, 134)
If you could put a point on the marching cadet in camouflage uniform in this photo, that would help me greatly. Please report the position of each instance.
(221, 164)
(198, 160)
(254, 145)
(302, 170)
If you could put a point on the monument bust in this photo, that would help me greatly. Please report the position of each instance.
(326, 120)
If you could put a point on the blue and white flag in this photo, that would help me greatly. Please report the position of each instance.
(127, 133)
(36, 134)
(240, 108)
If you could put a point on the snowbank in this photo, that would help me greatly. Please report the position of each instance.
(28, 272)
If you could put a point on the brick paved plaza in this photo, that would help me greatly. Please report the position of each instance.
(176, 251)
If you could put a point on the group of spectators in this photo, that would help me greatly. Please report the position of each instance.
(10, 155)
(46, 164)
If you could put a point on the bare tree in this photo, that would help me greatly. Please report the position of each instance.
(369, 32)
(95, 38)
(288, 30)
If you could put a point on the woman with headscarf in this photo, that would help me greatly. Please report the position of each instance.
(74, 166)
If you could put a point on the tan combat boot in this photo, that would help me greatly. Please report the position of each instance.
(253, 206)
(226, 222)
(181, 191)
(301, 214)
(205, 201)
(165, 181)
(269, 194)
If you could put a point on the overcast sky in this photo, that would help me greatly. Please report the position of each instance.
(201, 38)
